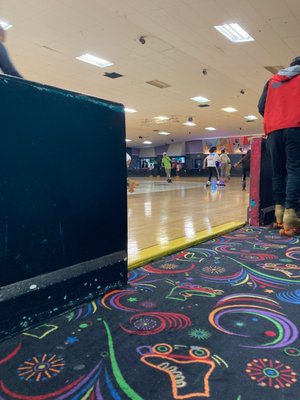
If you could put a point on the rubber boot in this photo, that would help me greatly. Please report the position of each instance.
(279, 211)
(291, 223)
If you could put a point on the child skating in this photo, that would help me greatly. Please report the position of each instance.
(212, 163)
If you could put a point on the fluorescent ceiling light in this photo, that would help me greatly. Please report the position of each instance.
(128, 140)
(5, 25)
(189, 123)
(129, 110)
(164, 133)
(99, 62)
(250, 117)
(161, 118)
(234, 33)
(147, 142)
(210, 128)
(229, 109)
(200, 99)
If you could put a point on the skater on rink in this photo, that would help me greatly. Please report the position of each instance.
(212, 162)
(224, 163)
(245, 161)
(167, 164)
(131, 184)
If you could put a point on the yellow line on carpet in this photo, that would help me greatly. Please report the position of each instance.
(152, 253)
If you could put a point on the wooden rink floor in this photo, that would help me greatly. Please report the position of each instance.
(159, 212)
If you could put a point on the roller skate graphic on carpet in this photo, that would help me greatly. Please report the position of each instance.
(177, 361)
(291, 223)
(279, 212)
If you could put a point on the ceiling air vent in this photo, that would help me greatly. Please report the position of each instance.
(159, 84)
(50, 48)
(274, 69)
(112, 75)
(203, 105)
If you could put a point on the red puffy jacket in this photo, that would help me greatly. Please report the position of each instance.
(282, 107)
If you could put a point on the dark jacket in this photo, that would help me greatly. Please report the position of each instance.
(279, 102)
(245, 161)
(5, 64)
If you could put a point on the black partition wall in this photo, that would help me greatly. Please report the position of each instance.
(63, 210)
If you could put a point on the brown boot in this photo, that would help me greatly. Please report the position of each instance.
(291, 223)
(132, 185)
(279, 211)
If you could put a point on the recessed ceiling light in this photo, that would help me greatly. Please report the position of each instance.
(161, 118)
(129, 110)
(250, 117)
(189, 123)
(147, 142)
(229, 109)
(200, 99)
(99, 62)
(5, 25)
(164, 133)
(234, 32)
(128, 140)
(210, 128)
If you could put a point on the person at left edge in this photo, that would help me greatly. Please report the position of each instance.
(6, 65)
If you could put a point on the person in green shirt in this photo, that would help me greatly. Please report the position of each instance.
(167, 164)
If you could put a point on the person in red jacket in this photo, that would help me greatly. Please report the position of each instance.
(279, 104)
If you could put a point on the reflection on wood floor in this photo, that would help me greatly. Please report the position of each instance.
(159, 212)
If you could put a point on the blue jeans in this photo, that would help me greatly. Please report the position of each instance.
(284, 148)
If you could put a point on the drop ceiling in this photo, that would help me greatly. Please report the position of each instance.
(180, 42)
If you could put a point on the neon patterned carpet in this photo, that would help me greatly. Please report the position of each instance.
(218, 321)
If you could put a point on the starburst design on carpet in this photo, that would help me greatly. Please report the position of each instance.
(145, 324)
(213, 270)
(269, 373)
(132, 299)
(41, 367)
(200, 334)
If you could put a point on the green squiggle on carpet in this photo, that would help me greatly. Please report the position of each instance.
(116, 370)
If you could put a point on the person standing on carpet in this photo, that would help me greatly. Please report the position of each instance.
(167, 164)
(279, 105)
(5, 63)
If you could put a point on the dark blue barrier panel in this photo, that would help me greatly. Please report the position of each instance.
(63, 204)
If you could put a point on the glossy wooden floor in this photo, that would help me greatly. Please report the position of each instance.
(159, 212)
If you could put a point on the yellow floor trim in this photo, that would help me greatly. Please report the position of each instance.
(152, 253)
